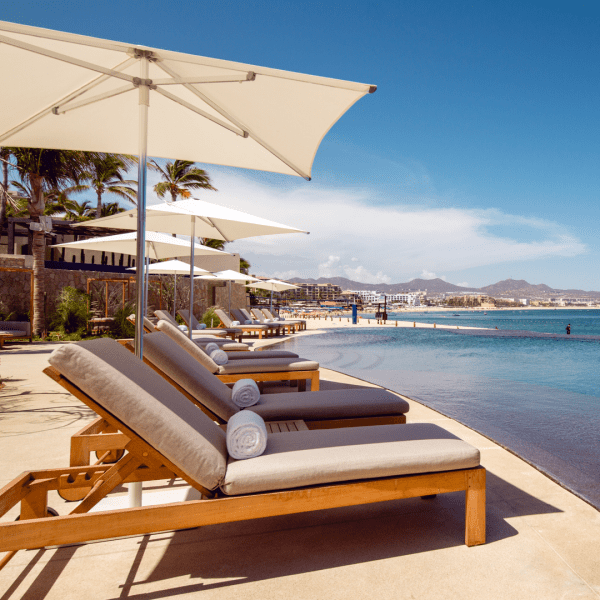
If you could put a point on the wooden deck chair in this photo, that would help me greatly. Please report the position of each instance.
(233, 333)
(169, 437)
(300, 323)
(148, 324)
(244, 327)
(288, 328)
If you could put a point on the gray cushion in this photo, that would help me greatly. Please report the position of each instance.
(190, 347)
(329, 455)
(145, 402)
(184, 369)
(227, 346)
(272, 365)
(330, 404)
(264, 355)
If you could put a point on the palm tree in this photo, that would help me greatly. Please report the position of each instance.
(42, 171)
(80, 211)
(111, 208)
(211, 243)
(105, 175)
(179, 177)
(4, 197)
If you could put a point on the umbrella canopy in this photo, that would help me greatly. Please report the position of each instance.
(174, 267)
(274, 285)
(82, 93)
(209, 220)
(159, 245)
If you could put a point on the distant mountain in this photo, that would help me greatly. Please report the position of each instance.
(509, 287)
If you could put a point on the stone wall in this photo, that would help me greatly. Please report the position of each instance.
(15, 291)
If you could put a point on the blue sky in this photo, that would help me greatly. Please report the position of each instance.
(476, 160)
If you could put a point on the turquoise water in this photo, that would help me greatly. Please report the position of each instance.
(539, 397)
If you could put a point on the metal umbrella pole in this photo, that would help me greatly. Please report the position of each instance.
(174, 295)
(192, 277)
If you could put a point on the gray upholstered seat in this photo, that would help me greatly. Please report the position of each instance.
(330, 455)
(166, 316)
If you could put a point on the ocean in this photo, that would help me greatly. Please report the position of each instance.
(538, 396)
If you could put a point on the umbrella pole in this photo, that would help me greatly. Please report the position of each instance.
(192, 249)
(230, 297)
(175, 296)
(135, 488)
(271, 309)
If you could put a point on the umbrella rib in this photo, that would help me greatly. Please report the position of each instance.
(199, 111)
(199, 80)
(61, 109)
(64, 58)
(78, 92)
(235, 121)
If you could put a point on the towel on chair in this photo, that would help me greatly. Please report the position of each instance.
(248, 322)
(182, 327)
(234, 323)
(245, 393)
(201, 326)
(209, 348)
(219, 357)
(246, 435)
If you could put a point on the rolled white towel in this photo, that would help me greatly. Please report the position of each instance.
(246, 435)
(201, 325)
(267, 321)
(245, 393)
(234, 323)
(211, 348)
(182, 327)
(219, 357)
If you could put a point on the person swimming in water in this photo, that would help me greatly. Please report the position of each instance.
(568, 328)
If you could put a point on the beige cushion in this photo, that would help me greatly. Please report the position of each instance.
(146, 403)
(227, 346)
(272, 365)
(190, 347)
(263, 355)
(184, 369)
(322, 456)
(330, 404)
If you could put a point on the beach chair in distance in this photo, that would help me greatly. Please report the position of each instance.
(356, 466)
(300, 323)
(289, 328)
(217, 332)
(274, 369)
(258, 329)
(231, 332)
(148, 324)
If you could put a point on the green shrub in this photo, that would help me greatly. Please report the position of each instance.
(72, 313)
(210, 318)
(121, 327)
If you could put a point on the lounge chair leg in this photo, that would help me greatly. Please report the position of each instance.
(302, 385)
(475, 508)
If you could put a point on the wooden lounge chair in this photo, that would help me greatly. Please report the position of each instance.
(244, 327)
(286, 327)
(231, 332)
(274, 369)
(169, 437)
(300, 323)
(217, 332)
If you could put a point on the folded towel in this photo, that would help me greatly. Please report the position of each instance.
(182, 327)
(245, 393)
(267, 321)
(201, 326)
(248, 322)
(219, 357)
(246, 435)
(211, 348)
(234, 323)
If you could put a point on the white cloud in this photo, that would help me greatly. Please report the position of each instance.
(391, 242)
(463, 284)
(427, 275)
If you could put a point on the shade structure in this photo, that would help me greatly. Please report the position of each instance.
(158, 245)
(229, 276)
(274, 285)
(174, 267)
(76, 92)
(210, 221)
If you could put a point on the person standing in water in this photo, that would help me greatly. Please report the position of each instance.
(568, 328)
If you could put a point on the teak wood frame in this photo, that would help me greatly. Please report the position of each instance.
(142, 462)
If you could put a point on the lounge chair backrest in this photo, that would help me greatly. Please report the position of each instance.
(246, 314)
(171, 358)
(146, 403)
(258, 315)
(268, 313)
(166, 316)
(148, 324)
(190, 347)
(224, 318)
(238, 315)
(185, 315)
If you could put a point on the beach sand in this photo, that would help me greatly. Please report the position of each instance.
(543, 542)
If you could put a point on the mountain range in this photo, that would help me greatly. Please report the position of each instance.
(508, 287)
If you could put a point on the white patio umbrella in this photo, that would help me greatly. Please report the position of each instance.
(173, 267)
(274, 285)
(197, 217)
(81, 93)
(230, 275)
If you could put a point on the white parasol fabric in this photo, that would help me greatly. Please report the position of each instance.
(274, 285)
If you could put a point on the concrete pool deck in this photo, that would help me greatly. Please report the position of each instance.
(542, 541)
